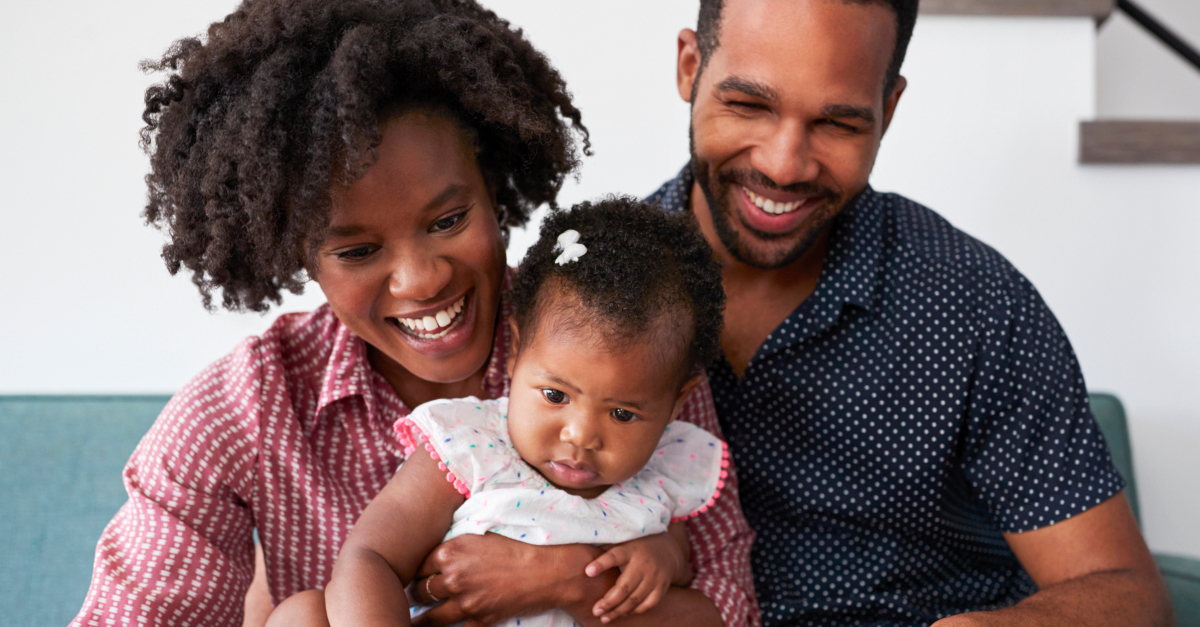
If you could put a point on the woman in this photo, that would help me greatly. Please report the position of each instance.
(381, 149)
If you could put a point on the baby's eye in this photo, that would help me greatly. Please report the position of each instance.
(553, 395)
(623, 415)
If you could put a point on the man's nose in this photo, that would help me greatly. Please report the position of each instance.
(786, 156)
(579, 429)
(418, 277)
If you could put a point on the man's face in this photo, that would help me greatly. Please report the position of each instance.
(787, 117)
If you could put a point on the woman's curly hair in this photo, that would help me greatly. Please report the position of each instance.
(640, 265)
(282, 101)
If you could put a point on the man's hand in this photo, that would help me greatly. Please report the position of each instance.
(1092, 569)
(486, 579)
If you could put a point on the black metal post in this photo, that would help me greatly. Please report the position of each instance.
(1160, 31)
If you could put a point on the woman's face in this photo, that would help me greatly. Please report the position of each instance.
(414, 256)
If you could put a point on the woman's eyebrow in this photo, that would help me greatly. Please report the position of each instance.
(348, 230)
(446, 194)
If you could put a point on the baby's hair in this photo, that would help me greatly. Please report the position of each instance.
(255, 123)
(642, 266)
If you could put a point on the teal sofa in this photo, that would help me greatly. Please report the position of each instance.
(60, 483)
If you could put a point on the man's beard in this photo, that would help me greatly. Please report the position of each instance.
(721, 207)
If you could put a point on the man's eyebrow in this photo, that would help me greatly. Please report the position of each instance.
(751, 88)
(849, 111)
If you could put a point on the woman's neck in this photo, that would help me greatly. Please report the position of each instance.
(414, 390)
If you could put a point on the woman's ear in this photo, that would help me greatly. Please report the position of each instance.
(685, 392)
(514, 346)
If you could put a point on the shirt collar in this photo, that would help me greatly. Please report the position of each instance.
(851, 273)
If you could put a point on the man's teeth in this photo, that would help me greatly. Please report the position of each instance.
(437, 321)
(772, 207)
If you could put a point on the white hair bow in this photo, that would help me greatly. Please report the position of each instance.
(568, 243)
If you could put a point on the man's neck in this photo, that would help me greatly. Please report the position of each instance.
(757, 300)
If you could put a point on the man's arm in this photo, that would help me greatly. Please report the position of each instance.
(1092, 569)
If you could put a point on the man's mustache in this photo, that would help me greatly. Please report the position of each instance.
(754, 177)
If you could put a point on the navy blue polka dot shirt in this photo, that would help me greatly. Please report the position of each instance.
(920, 402)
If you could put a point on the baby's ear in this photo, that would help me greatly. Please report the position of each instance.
(514, 346)
(685, 392)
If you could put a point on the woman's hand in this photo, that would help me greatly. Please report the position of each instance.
(486, 579)
(648, 568)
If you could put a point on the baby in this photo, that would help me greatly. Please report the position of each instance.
(617, 311)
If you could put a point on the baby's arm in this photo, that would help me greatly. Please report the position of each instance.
(649, 566)
(381, 556)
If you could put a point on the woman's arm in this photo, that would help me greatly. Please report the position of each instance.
(186, 526)
(381, 555)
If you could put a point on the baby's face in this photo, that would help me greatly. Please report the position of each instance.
(587, 415)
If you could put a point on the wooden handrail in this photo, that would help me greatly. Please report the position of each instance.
(1098, 9)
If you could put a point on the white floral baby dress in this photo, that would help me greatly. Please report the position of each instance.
(506, 495)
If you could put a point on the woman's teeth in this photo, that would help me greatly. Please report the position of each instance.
(437, 322)
(770, 206)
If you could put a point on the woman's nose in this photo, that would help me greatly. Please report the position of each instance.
(580, 431)
(418, 277)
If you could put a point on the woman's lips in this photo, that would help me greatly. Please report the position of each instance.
(572, 472)
(453, 336)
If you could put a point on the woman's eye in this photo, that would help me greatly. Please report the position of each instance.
(354, 254)
(623, 415)
(554, 396)
(448, 222)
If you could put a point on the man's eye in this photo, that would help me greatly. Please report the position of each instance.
(448, 222)
(554, 396)
(355, 254)
(623, 415)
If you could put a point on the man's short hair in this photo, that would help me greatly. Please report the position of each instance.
(708, 28)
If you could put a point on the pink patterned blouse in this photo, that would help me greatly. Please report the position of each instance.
(291, 434)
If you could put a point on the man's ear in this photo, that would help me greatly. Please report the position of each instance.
(893, 99)
(685, 392)
(688, 64)
(514, 346)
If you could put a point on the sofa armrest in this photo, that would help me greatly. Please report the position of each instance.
(1182, 575)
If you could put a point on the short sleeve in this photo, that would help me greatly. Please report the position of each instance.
(1033, 451)
(690, 466)
(468, 437)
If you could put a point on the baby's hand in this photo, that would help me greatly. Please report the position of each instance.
(648, 568)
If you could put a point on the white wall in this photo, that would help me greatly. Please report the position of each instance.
(986, 135)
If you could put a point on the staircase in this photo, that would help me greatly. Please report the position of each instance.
(1105, 141)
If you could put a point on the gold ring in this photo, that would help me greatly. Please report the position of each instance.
(430, 592)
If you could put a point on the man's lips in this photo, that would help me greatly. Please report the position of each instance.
(571, 472)
(773, 217)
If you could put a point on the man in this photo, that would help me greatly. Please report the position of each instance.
(909, 422)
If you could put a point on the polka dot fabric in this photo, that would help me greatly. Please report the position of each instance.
(922, 401)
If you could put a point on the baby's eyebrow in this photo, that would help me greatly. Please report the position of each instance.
(542, 374)
(637, 406)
